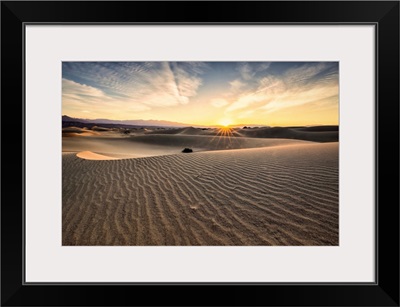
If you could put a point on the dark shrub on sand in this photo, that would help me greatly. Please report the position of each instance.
(187, 150)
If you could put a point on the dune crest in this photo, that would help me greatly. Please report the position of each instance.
(89, 155)
(164, 144)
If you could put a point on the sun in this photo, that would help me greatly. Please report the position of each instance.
(225, 122)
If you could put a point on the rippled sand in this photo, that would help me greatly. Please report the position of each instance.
(284, 193)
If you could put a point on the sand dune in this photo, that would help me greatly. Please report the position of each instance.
(286, 194)
(314, 134)
(164, 144)
(74, 131)
(191, 131)
(205, 142)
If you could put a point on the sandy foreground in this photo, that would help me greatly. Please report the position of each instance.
(240, 191)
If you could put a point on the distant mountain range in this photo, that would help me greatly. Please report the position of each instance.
(133, 122)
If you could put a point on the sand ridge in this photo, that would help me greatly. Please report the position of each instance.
(89, 155)
(165, 144)
(312, 133)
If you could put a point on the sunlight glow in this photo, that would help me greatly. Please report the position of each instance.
(226, 138)
(225, 122)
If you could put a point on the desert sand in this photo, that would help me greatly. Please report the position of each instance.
(239, 187)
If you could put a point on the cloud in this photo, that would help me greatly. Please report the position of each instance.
(246, 101)
(236, 85)
(219, 102)
(296, 98)
(271, 85)
(310, 73)
(74, 90)
(186, 83)
(78, 97)
(249, 70)
(263, 66)
(266, 88)
(245, 71)
(155, 84)
(300, 85)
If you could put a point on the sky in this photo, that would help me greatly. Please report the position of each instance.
(204, 93)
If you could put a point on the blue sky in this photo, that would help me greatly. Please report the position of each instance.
(268, 93)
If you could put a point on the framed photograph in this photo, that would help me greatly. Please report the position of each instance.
(239, 146)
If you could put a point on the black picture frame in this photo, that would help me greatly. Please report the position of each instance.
(383, 14)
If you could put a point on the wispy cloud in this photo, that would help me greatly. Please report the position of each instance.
(245, 71)
(80, 97)
(297, 86)
(219, 102)
(310, 73)
(151, 84)
(246, 101)
(236, 85)
(249, 70)
(293, 98)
